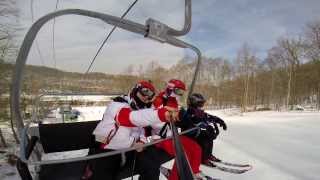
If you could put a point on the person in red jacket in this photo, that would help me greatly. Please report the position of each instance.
(169, 99)
(170, 96)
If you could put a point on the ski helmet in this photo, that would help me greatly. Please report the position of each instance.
(144, 88)
(196, 100)
(175, 86)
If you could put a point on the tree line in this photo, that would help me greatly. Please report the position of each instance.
(288, 76)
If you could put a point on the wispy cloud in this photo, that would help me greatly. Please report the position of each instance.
(226, 25)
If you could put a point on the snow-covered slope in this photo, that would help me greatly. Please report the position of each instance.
(279, 145)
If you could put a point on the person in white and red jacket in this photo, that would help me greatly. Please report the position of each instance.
(122, 127)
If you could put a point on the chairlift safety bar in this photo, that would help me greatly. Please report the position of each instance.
(24, 137)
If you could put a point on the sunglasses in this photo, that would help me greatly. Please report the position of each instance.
(147, 93)
(178, 91)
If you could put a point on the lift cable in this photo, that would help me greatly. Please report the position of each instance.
(36, 42)
(53, 44)
(108, 36)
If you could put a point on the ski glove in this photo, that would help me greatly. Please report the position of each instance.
(216, 131)
(203, 125)
(216, 120)
(207, 131)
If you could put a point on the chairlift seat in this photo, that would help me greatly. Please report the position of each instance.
(62, 137)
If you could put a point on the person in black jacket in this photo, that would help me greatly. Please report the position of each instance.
(208, 126)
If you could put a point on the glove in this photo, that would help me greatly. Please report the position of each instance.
(207, 131)
(171, 115)
(216, 130)
(217, 120)
(221, 123)
(203, 125)
(213, 132)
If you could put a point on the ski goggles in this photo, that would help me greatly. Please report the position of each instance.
(178, 91)
(146, 92)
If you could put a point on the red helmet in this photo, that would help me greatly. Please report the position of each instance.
(176, 86)
(175, 83)
(145, 88)
(146, 84)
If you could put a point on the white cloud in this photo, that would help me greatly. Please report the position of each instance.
(219, 28)
(116, 57)
(78, 38)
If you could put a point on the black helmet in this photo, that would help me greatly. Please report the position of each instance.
(196, 100)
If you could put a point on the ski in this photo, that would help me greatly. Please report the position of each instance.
(216, 160)
(166, 172)
(234, 164)
(228, 169)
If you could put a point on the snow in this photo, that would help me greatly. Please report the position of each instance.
(91, 113)
(8, 172)
(279, 145)
(83, 98)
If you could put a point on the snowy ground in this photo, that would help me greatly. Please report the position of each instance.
(86, 114)
(279, 145)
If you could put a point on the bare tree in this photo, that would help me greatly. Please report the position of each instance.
(8, 28)
(292, 52)
(130, 70)
(246, 62)
(3, 141)
(183, 70)
(272, 61)
(312, 51)
(312, 40)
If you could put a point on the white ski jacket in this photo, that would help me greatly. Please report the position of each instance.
(121, 126)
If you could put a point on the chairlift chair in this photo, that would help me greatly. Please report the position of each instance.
(63, 137)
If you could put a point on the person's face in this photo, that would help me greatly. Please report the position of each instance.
(200, 105)
(146, 95)
(178, 91)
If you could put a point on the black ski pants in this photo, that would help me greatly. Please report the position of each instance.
(205, 140)
(145, 163)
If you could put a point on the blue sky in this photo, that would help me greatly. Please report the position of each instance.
(219, 29)
(229, 24)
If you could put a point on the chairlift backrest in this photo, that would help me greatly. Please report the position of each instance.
(61, 137)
